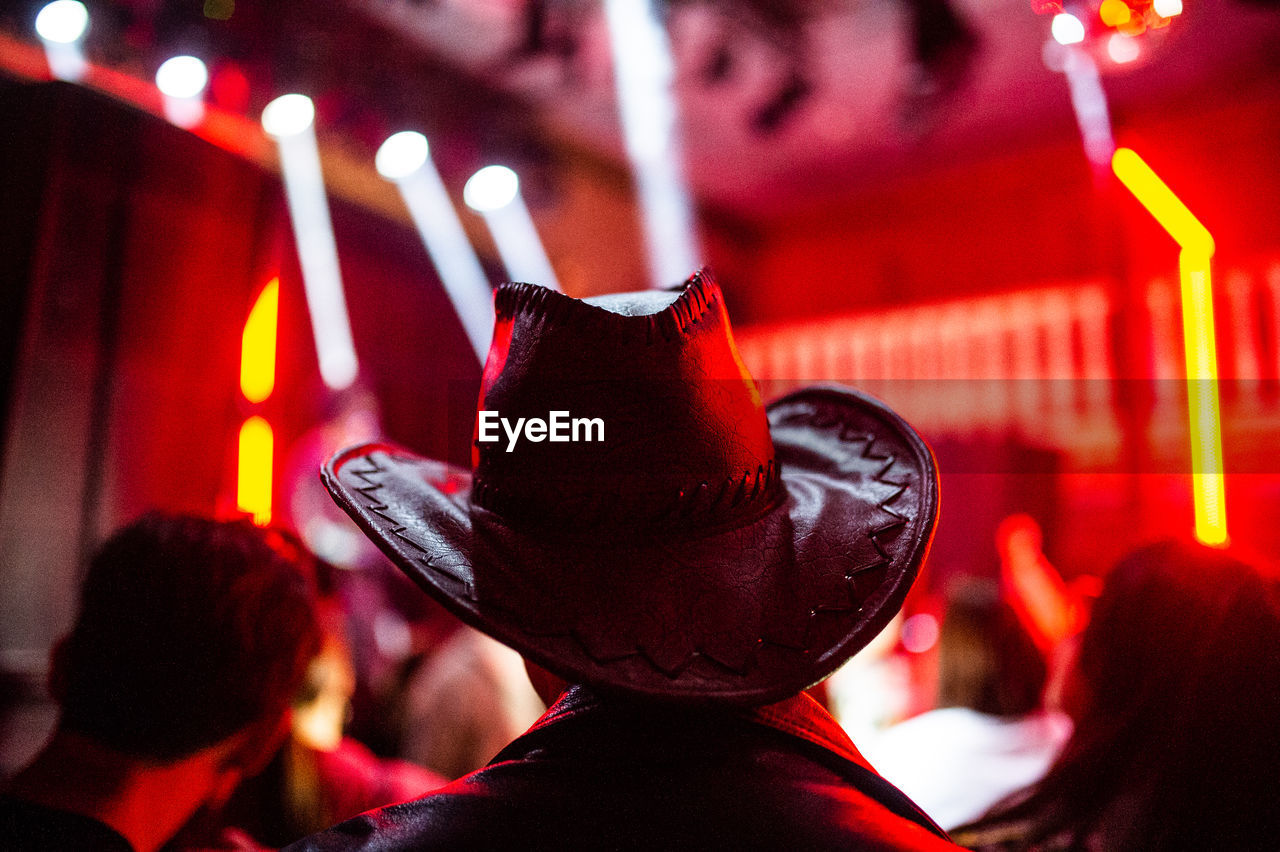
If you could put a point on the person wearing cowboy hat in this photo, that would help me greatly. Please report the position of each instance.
(683, 575)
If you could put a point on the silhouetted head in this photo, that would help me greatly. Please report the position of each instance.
(189, 630)
(1178, 628)
(1176, 739)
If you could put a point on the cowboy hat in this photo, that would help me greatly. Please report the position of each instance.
(687, 542)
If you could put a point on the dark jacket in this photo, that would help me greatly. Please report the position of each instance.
(597, 773)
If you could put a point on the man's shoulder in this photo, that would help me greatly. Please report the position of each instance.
(27, 826)
(481, 814)
(599, 776)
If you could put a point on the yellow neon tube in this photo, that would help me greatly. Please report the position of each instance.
(1204, 412)
(1155, 195)
(253, 476)
(258, 345)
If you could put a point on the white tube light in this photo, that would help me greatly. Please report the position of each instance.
(494, 193)
(643, 71)
(182, 81)
(290, 119)
(405, 159)
(61, 26)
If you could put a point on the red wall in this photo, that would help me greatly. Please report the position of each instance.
(1016, 217)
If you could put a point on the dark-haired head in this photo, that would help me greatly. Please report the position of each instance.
(189, 630)
(1176, 740)
(986, 659)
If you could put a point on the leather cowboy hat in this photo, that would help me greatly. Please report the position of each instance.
(694, 544)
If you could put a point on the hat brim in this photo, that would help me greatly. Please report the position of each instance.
(748, 615)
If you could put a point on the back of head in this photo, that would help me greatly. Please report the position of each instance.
(987, 660)
(1181, 665)
(704, 548)
(1176, 741)
(1173, 618)
(189, 629)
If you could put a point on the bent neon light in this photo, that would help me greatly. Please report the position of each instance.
(1197, 249)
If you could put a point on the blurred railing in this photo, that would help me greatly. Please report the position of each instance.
(1042, 363)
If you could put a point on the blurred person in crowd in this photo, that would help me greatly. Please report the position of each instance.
(674, 580)
(319, 775)
(1175, 694)
(192, 638)
(468, 699)
(988, 736)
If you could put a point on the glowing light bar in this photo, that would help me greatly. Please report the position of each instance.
(182, 77)
(1089, 102)
(182, 80)
(288, 115)
(643, 70)
(290, 119)
(405, 158)
(1202, 398)
(491, 188)
(1161, 203)
(1204, 412)
(494, 192)
(402, 154)
(254, 470)
(62, 21)
(1167, 8)
(1066, 28)
(258, 345)
(61, 25)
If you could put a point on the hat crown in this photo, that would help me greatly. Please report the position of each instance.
(627, 413)
(704, 549)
